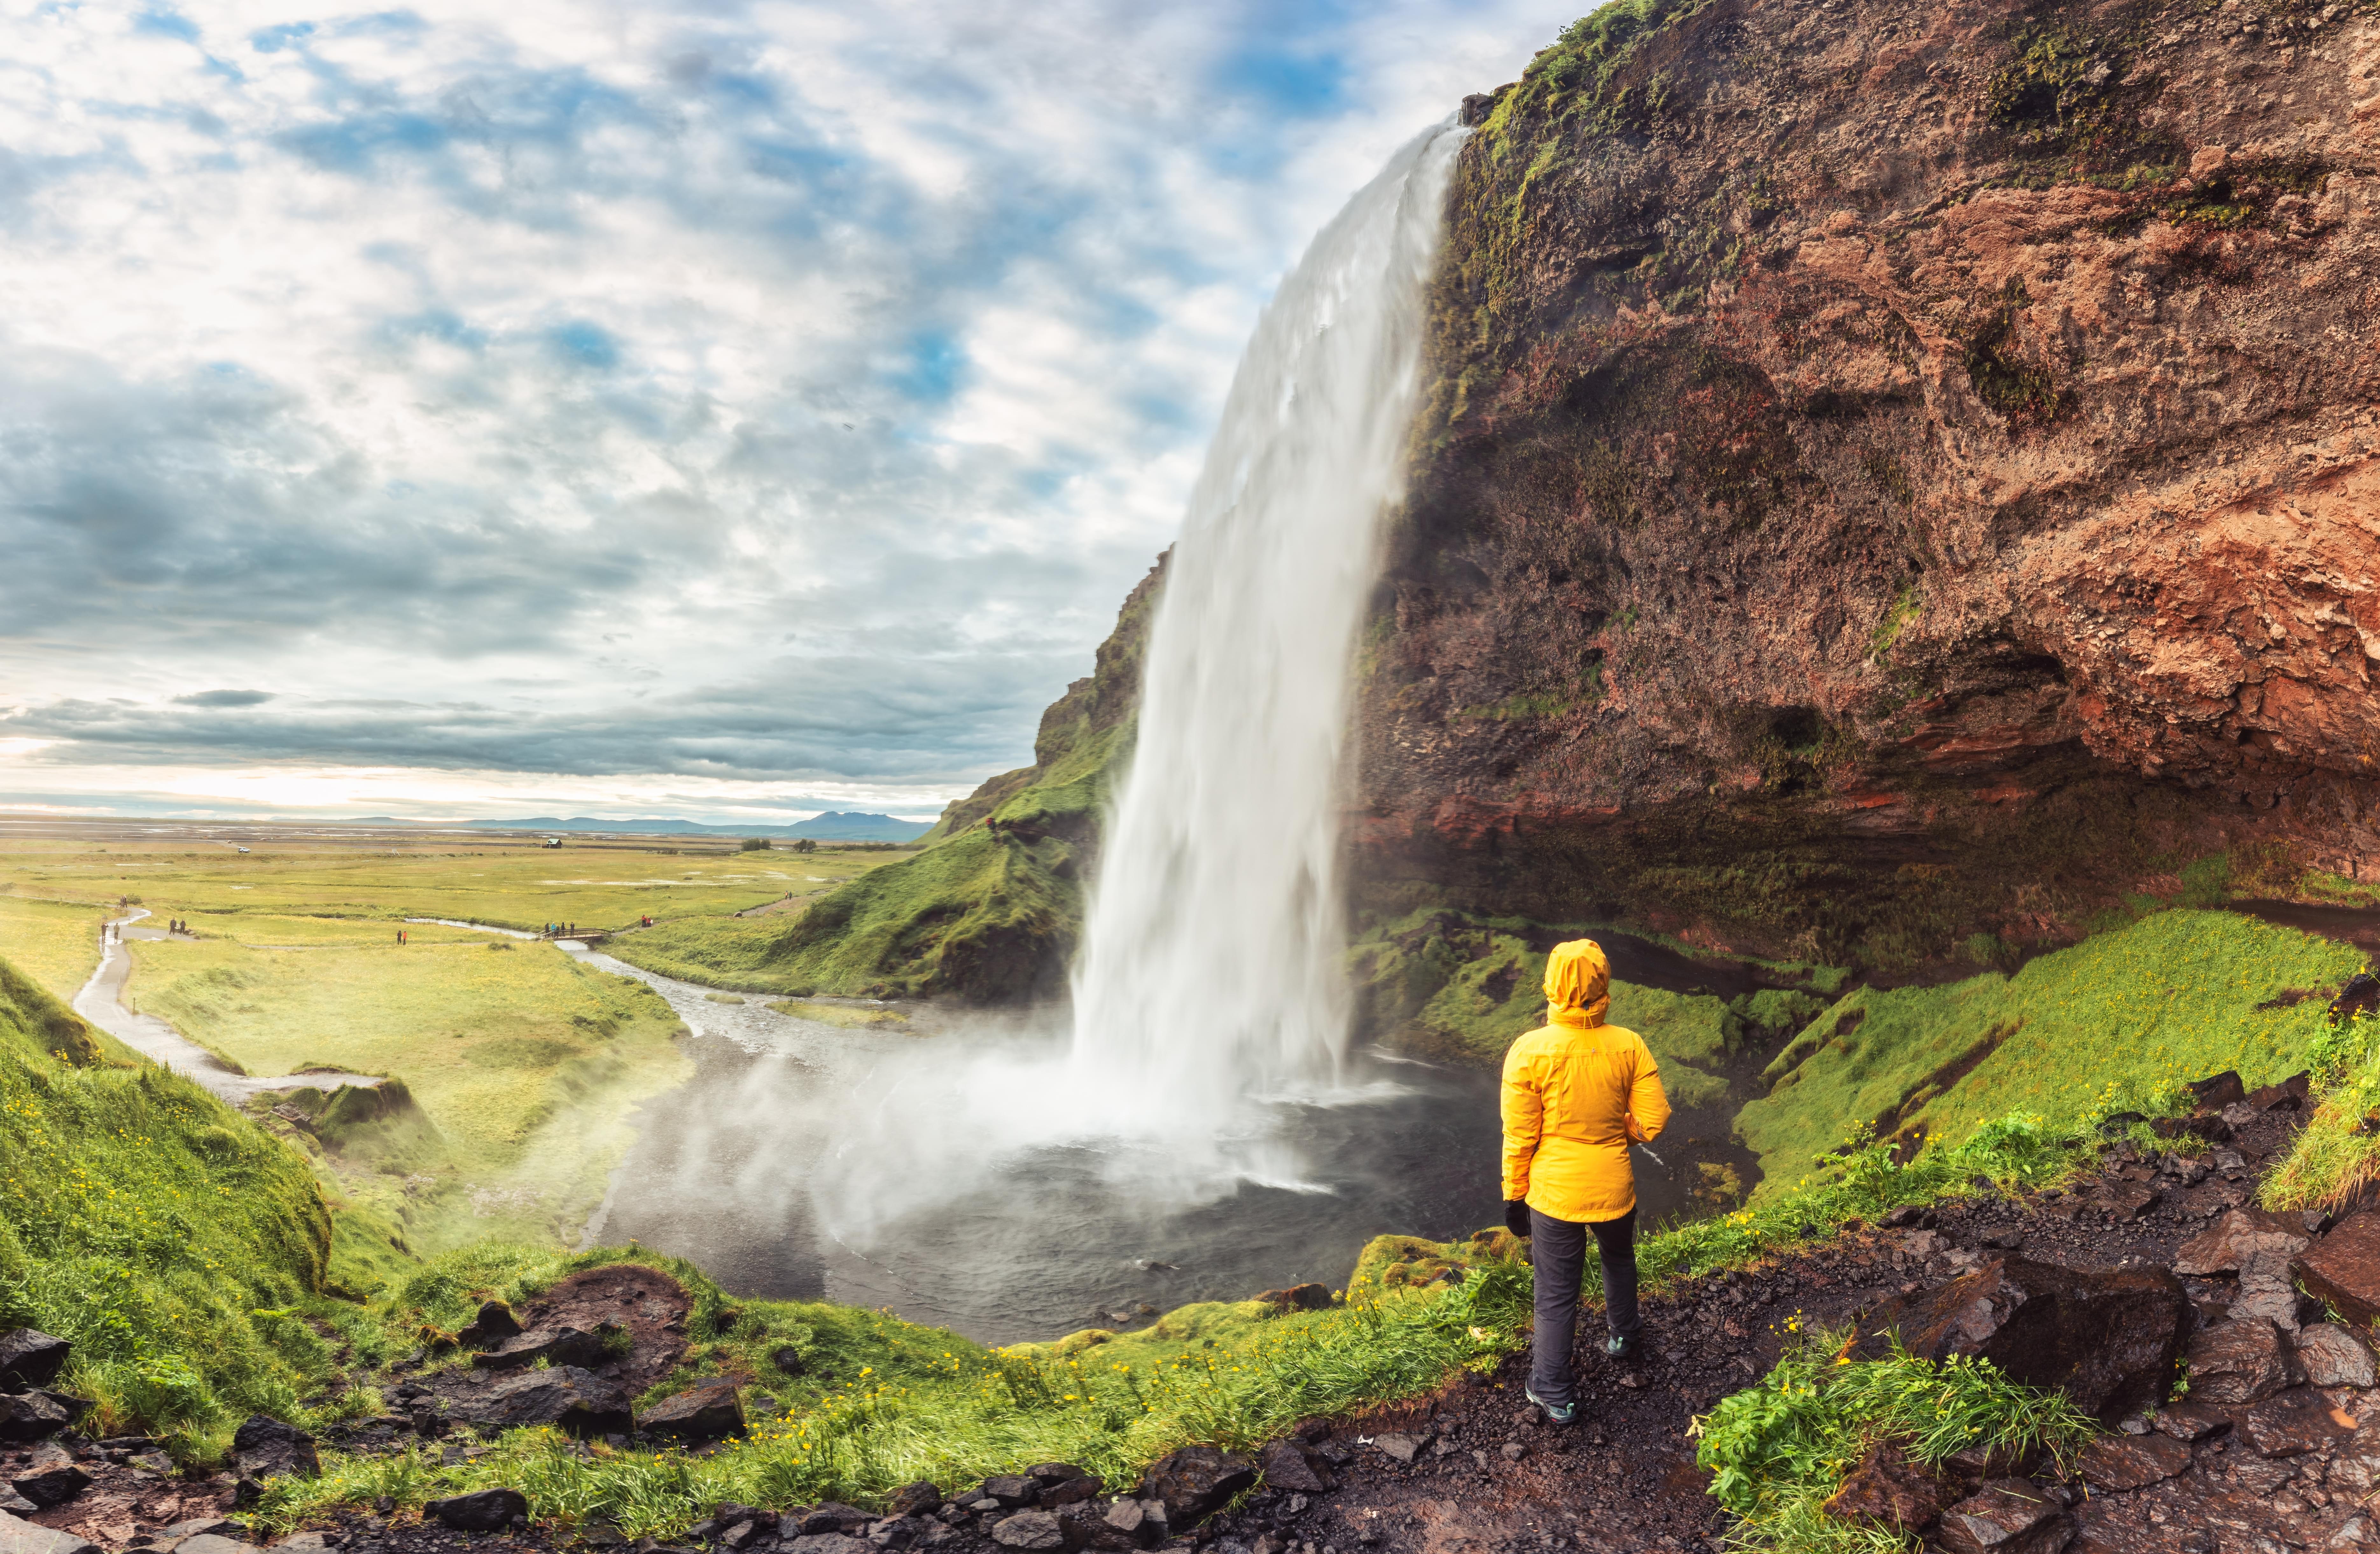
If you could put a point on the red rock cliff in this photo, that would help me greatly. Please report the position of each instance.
(1899, 470)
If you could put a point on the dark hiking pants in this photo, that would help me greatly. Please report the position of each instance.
(1558, 1251)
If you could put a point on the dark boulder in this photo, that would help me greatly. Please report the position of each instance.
(482, 1511)
(1035, 1530)
(2244, 1241)
(51, 1478)
(558, 1346)
(1071, 1491)
(2109, 1337)
(30, 1358)
(19, 1537)
(264, 1448)
(1138, 1523)
(2113, 1464)
(2217, 1091)
(1886, 1488)
(34, 1416)
(1285, 1467)
(707, 1411)
(1054, 1473)
(915, 1500)
(2343, 1268)
(1012, 1489)
(2332, 1355)
(2007, 1516)
(494, 1324)
(1196, 1481)
(570, 1399)
(827, 1543)
(2243, 1361)
(1299, 1297)
(831, 1517)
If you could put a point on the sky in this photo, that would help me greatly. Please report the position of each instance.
(724, 411)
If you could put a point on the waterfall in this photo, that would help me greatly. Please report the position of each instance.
(1211, 998)
(1212, 974)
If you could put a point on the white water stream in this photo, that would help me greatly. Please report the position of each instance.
(1212, 968)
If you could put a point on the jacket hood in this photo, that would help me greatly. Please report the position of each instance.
(1578, 983)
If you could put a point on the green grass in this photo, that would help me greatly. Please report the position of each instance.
(523, 1064)
(2120, 1020)
(513, 886)
(174, 1243)
(55, 943)
(912, 1402)
(2336, 1154)
(1779, 1450)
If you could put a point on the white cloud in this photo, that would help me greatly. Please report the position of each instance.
(801, 383)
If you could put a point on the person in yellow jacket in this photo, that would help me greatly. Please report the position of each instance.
(1576, 1093)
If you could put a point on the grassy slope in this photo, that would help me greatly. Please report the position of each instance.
(153, 1227)
(523, 1064)
(991, 908)
(55, 943)
(2117, 1021)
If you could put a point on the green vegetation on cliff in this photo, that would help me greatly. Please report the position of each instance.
(1443, 983)
(990, 910)
(2119, 1022)
(171, 1240)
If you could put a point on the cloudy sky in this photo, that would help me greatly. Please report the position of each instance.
(701, 409)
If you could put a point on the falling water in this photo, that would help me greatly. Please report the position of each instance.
(1212, 974)
(1210, 1008)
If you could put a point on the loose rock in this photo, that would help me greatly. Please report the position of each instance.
(2109, 1337)
(482, 1511)
(19, 1537)
(264, 1448)
(2010, 1516)
(560, 1346)
(569, 1399)
(2120, 1463)
(2240, 1362)
(2343, 1268)
(31, 1358)
(2333, 1356)
(707, 1411)
(1029, 1529)
(1197, 1480)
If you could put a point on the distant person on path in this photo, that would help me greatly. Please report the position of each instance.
(1576, 1092)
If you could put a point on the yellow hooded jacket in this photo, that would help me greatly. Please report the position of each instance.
(1575, 1092)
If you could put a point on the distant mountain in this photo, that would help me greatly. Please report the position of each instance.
(834, 826)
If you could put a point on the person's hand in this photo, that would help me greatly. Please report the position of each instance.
(1516, 1215)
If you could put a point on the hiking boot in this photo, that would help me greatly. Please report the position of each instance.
(1624, 1348)
(1556, 1412)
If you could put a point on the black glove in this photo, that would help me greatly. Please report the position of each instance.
(1516, 1215)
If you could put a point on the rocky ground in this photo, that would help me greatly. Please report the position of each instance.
(2269, 1451)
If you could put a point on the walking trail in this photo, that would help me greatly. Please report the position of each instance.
(102, 1003)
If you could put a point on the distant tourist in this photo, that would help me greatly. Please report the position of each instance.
(1576, 1092)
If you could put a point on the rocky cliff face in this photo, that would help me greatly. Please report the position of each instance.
(1899, 471)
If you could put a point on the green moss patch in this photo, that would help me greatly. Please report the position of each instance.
(2119, 1021)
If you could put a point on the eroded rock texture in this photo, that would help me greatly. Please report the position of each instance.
(1899, 470)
